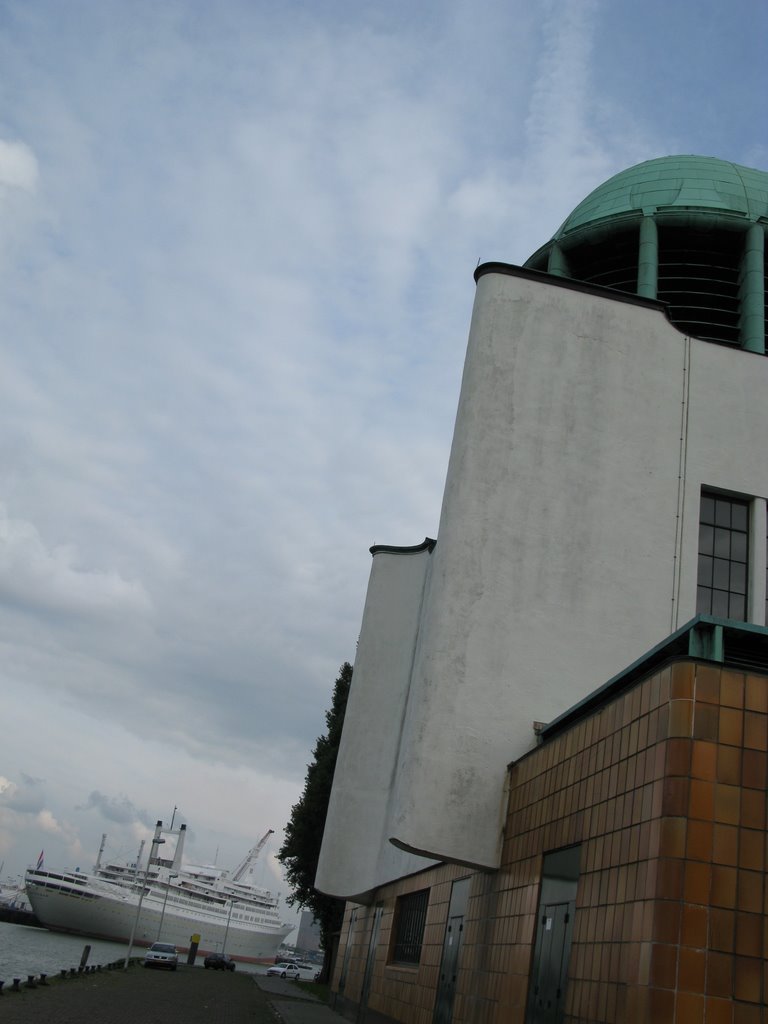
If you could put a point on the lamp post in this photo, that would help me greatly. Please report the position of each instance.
(165, 900)
(226, 930)
(155, 843)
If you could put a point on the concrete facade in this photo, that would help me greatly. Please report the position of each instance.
(601, 436)
(587, 426)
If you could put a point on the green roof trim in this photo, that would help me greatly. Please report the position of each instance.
(675, 184)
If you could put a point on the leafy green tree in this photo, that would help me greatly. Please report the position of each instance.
(300, 851)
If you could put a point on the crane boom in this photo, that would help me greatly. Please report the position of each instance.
(251, 857)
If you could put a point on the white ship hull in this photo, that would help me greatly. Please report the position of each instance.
(111, 916)
(165, 902)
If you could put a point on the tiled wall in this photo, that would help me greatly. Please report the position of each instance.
(665, 790)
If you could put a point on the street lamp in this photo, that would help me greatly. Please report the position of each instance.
(226, 930)
(155, 843)
(165, 900)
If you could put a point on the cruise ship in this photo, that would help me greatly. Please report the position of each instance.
(164, 901)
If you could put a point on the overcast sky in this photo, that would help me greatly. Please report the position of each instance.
(236, 254)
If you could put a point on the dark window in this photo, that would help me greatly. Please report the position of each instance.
(723, 557)
(410, 917)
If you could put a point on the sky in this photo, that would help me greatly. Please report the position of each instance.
(236, 254)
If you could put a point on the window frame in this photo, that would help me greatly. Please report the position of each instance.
(408, 928)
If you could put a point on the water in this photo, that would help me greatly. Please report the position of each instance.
(25, 951)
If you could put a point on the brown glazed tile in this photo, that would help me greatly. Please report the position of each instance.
(721, 929)
(749, 934)
(754, 766)
(731, 727)
(680, 716)
(675, 797)
(723, 893)
(663, 965)
(672, 837)
(666, 921)
(689, 1008)
(681, 680)
(706, 719)
(661, 1006)
(753, 808)
(701, 803)
(707, 684)
(704, 760)
(727, 803)
(699, 840)
(729, 765)
(678, 759)
(718, 1011)
(693, 926)
(697, 882)
(751, 849)
(755, 731)
(669, 878)
(745, 1013)
(749, 891)
(756, 694)
(719, 974)
(747, 979)
(732, 689)
(691, 970)
(725, 846)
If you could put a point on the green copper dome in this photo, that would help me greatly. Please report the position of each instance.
(675, 183)
(686, 230)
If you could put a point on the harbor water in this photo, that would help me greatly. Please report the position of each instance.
(25, 951)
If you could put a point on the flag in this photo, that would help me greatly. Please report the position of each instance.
(40, 861)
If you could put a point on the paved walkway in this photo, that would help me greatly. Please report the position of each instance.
(190, 994)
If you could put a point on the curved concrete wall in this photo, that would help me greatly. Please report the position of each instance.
(559, 541)
(587, 426)
(355, 855)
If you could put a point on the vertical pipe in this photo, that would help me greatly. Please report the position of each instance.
(648, 259)
(752, 290)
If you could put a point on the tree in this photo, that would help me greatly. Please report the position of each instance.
(300, 851)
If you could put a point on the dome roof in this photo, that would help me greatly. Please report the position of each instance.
(675, 184)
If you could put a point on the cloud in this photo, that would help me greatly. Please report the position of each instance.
(39, 577)
(26, 797)
(117, 809)
(18, 167)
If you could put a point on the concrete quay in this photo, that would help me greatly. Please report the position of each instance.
(190, 994)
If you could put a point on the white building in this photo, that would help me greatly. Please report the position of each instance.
(614, 396)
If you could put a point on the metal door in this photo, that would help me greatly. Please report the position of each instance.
(550, 963)
(347, 952)
(449, 965)
(369, 964)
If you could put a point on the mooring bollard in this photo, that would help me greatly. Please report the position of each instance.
(63, 973)
(72, 972)
(42, 979)
(16, 984)
(31, 981)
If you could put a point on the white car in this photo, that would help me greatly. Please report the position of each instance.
(284, 971)
(162, 954)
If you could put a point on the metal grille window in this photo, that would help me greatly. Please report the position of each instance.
(723, 557)
(410, 917)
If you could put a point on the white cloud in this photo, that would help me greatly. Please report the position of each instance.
(33, 575)
(18, 167)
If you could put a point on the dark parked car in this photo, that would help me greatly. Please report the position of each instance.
(219, 962)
